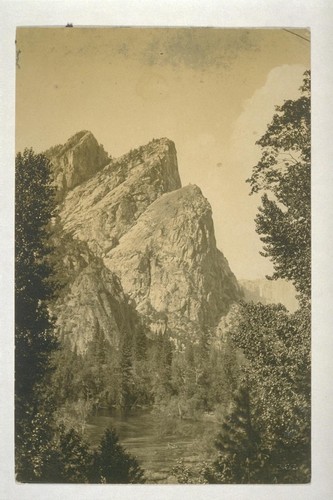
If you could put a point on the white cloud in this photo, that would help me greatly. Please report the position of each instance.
(282, 83)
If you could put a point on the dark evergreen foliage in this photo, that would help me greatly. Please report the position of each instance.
(111, 464)
(238, 445)
(34, 335)
(160, 355)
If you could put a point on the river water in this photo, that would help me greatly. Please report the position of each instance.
(157, 442)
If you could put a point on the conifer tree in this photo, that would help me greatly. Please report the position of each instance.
(34, 334)
(34, 209)
(161, 364)
(112, 464)
(237, 444)
(125, 380)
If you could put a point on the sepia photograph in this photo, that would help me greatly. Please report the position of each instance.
(163, 255)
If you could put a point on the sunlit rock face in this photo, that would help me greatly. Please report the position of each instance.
(76, 161)
(168, 262)
(151, 247)
(105, 207)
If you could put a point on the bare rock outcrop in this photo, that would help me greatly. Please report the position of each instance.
(105, 207)
(76, 161)
(92, 303)
(168, 263)
(147, 246)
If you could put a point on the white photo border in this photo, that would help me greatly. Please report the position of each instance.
(316, 15)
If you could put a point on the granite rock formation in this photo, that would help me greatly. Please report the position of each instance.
(92, 301)
(149, 244)
(76, 161)
(168, 263)
(102, 209)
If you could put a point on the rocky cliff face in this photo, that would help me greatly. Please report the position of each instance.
(92, 302)
(149, 244)
(102, 209)
(76, 161)
(168, 263)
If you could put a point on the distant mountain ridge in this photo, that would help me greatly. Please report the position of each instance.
(270, 291)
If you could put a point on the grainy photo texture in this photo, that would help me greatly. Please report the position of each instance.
(163, 255)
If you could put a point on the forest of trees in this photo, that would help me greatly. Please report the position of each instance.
(257, 381)
(145, 371)
(44, 450)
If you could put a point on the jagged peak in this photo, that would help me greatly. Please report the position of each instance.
(78, 135)
(155, 146)
(76, 161)
(157, 236)
(162, 140)
(157, 141)
(72, 142)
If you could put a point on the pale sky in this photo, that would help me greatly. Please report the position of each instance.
(212, 91)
